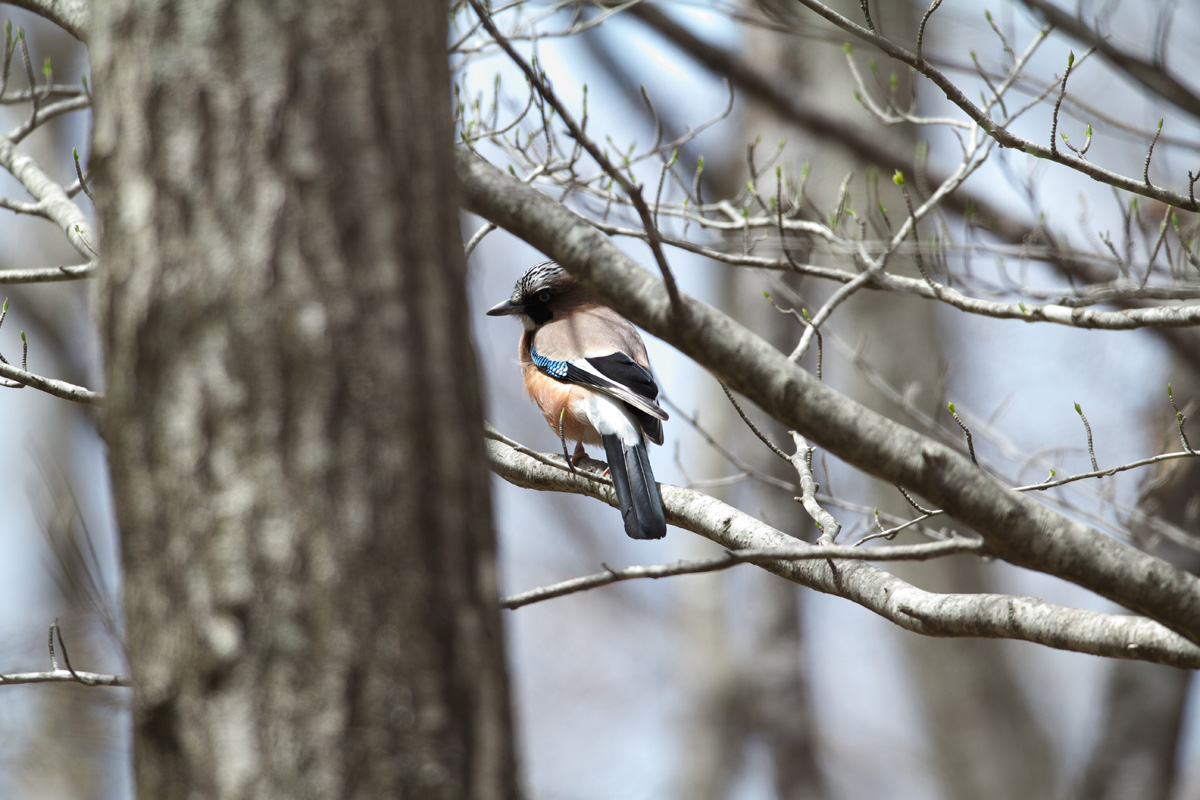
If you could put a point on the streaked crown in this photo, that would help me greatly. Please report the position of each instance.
(537, 278)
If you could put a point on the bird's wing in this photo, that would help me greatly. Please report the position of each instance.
(614, 374)
(598, 348)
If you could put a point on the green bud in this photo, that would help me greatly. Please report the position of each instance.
(898, 178)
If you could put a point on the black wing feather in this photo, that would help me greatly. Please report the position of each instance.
(622, 369)
(634, 378)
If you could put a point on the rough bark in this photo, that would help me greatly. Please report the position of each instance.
(293, 406)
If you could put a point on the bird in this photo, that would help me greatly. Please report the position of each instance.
(586, 368)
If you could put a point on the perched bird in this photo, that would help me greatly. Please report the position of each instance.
(586, 368)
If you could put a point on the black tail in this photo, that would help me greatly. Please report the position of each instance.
(637, 493)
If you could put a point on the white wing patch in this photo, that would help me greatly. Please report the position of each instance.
(610, 418)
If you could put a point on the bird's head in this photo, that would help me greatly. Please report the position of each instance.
(544, 292)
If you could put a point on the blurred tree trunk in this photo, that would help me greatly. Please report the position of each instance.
(293, 408)
(985, 741)
(1137, 750)
(972, 703)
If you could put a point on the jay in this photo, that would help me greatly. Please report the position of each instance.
(586, 368)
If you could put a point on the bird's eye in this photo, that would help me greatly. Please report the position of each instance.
(544, 297)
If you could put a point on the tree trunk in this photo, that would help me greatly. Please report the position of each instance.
(1137, 753)
(293, 408)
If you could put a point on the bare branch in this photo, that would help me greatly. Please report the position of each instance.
(64, 676)
(52, 201)
(1016, 528)
(932, 614)
(730, 558)
(74, 272)
(68, 675)
(61, 389)
(633, 191)
(1153, 76)
(73, 16)
(1001, 134)
(801, 461)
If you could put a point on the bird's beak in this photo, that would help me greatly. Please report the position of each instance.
(505, 308)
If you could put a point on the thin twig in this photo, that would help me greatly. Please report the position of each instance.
(1088, 428)
(802, 462)
(62, 676)
(966, 430)
(56, 675)
(921, 30)
(60, 389)
(866, 9)
(1180, 418)
(774, 448)
(913, 552)
(56, 628)
(633, 191)
(1150, 154)
(1002, 135)
(912, 502)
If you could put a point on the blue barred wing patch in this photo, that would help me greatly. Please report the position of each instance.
(555, 369)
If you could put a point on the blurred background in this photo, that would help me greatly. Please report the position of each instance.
(737, 684)
(59, 555)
